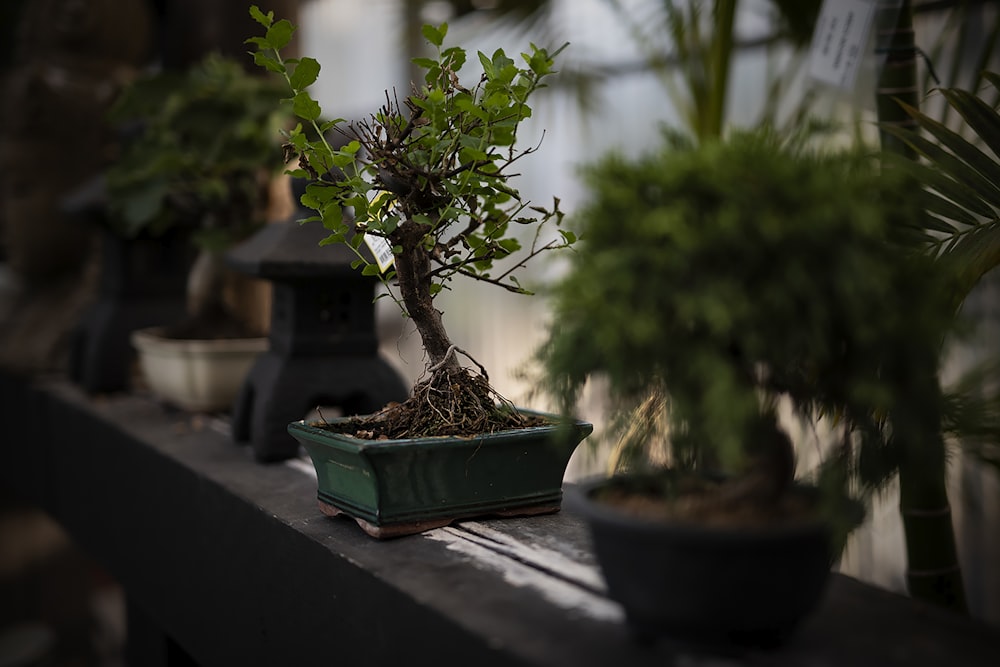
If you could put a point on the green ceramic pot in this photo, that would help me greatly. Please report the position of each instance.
(399, 487)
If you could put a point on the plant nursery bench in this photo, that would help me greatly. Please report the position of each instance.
(225, 561)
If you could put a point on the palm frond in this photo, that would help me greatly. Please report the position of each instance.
(960, 184)
(981, 117)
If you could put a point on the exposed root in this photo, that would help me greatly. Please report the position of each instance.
(452, 401)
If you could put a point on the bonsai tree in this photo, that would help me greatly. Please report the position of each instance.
(425, 182)
(752, 270)
(199, 155)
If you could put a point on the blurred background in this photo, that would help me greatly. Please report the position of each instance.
(62, 63)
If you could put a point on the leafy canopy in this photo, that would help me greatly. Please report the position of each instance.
(430, 173)
(200, 140)
(731, 273)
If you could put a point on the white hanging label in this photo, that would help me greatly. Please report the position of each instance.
(379, 245)
(839, 41)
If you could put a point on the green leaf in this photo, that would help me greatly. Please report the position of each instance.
(280, 34)
(370, 270)
(509, 246)
(333, 218)
(954, 142)
(259, 42)
(264, 19)
(966, 186)
(981, 117)
(469, 154)
(938, 205)
(568, 236)
(487, 65)
(266, 61)
(306, 107)
(330, 124)
(424, 63)
(434, 35)
(305, 74)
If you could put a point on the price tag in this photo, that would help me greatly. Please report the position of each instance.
(840, 40)
(379, 245)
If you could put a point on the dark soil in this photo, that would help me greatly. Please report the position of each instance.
(452, 402)
(735, 502)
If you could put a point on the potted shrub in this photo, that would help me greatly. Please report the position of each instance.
(752, 273)
(200, 160)
(428, 180)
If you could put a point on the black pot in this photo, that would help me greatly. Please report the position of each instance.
(731, 586)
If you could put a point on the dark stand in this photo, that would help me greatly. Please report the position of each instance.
(323, 344)
(143, 283)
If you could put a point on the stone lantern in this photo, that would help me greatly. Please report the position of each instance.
(323, 346)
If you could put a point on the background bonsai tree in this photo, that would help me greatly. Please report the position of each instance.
(200, 156)
(428, 181)
(751, 270)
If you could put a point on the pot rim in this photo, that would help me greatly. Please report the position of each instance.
(580, 499)
(151, 339)
(308, 429)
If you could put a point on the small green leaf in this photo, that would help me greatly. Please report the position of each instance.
(434, 35)
(330, 124)
(370, 270)
(259, 42)
(424, 63)
(333, 218)
(280, 34)
(487, 65)
(266, 61)
(306, 107)
(305, 74)
(568, 236)
(264, 19)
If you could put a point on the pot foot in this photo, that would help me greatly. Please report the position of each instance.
(402, 528)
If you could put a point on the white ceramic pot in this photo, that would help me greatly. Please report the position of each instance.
(196, 375)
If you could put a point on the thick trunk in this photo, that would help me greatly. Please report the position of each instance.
(933, 573)
(413, 269)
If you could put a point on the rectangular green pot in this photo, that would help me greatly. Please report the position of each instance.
(398, 487)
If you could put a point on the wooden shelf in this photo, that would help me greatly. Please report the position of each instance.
(233, 561)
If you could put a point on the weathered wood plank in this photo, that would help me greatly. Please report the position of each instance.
(235, 562)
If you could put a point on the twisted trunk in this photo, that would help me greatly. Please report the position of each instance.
(413, 272)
